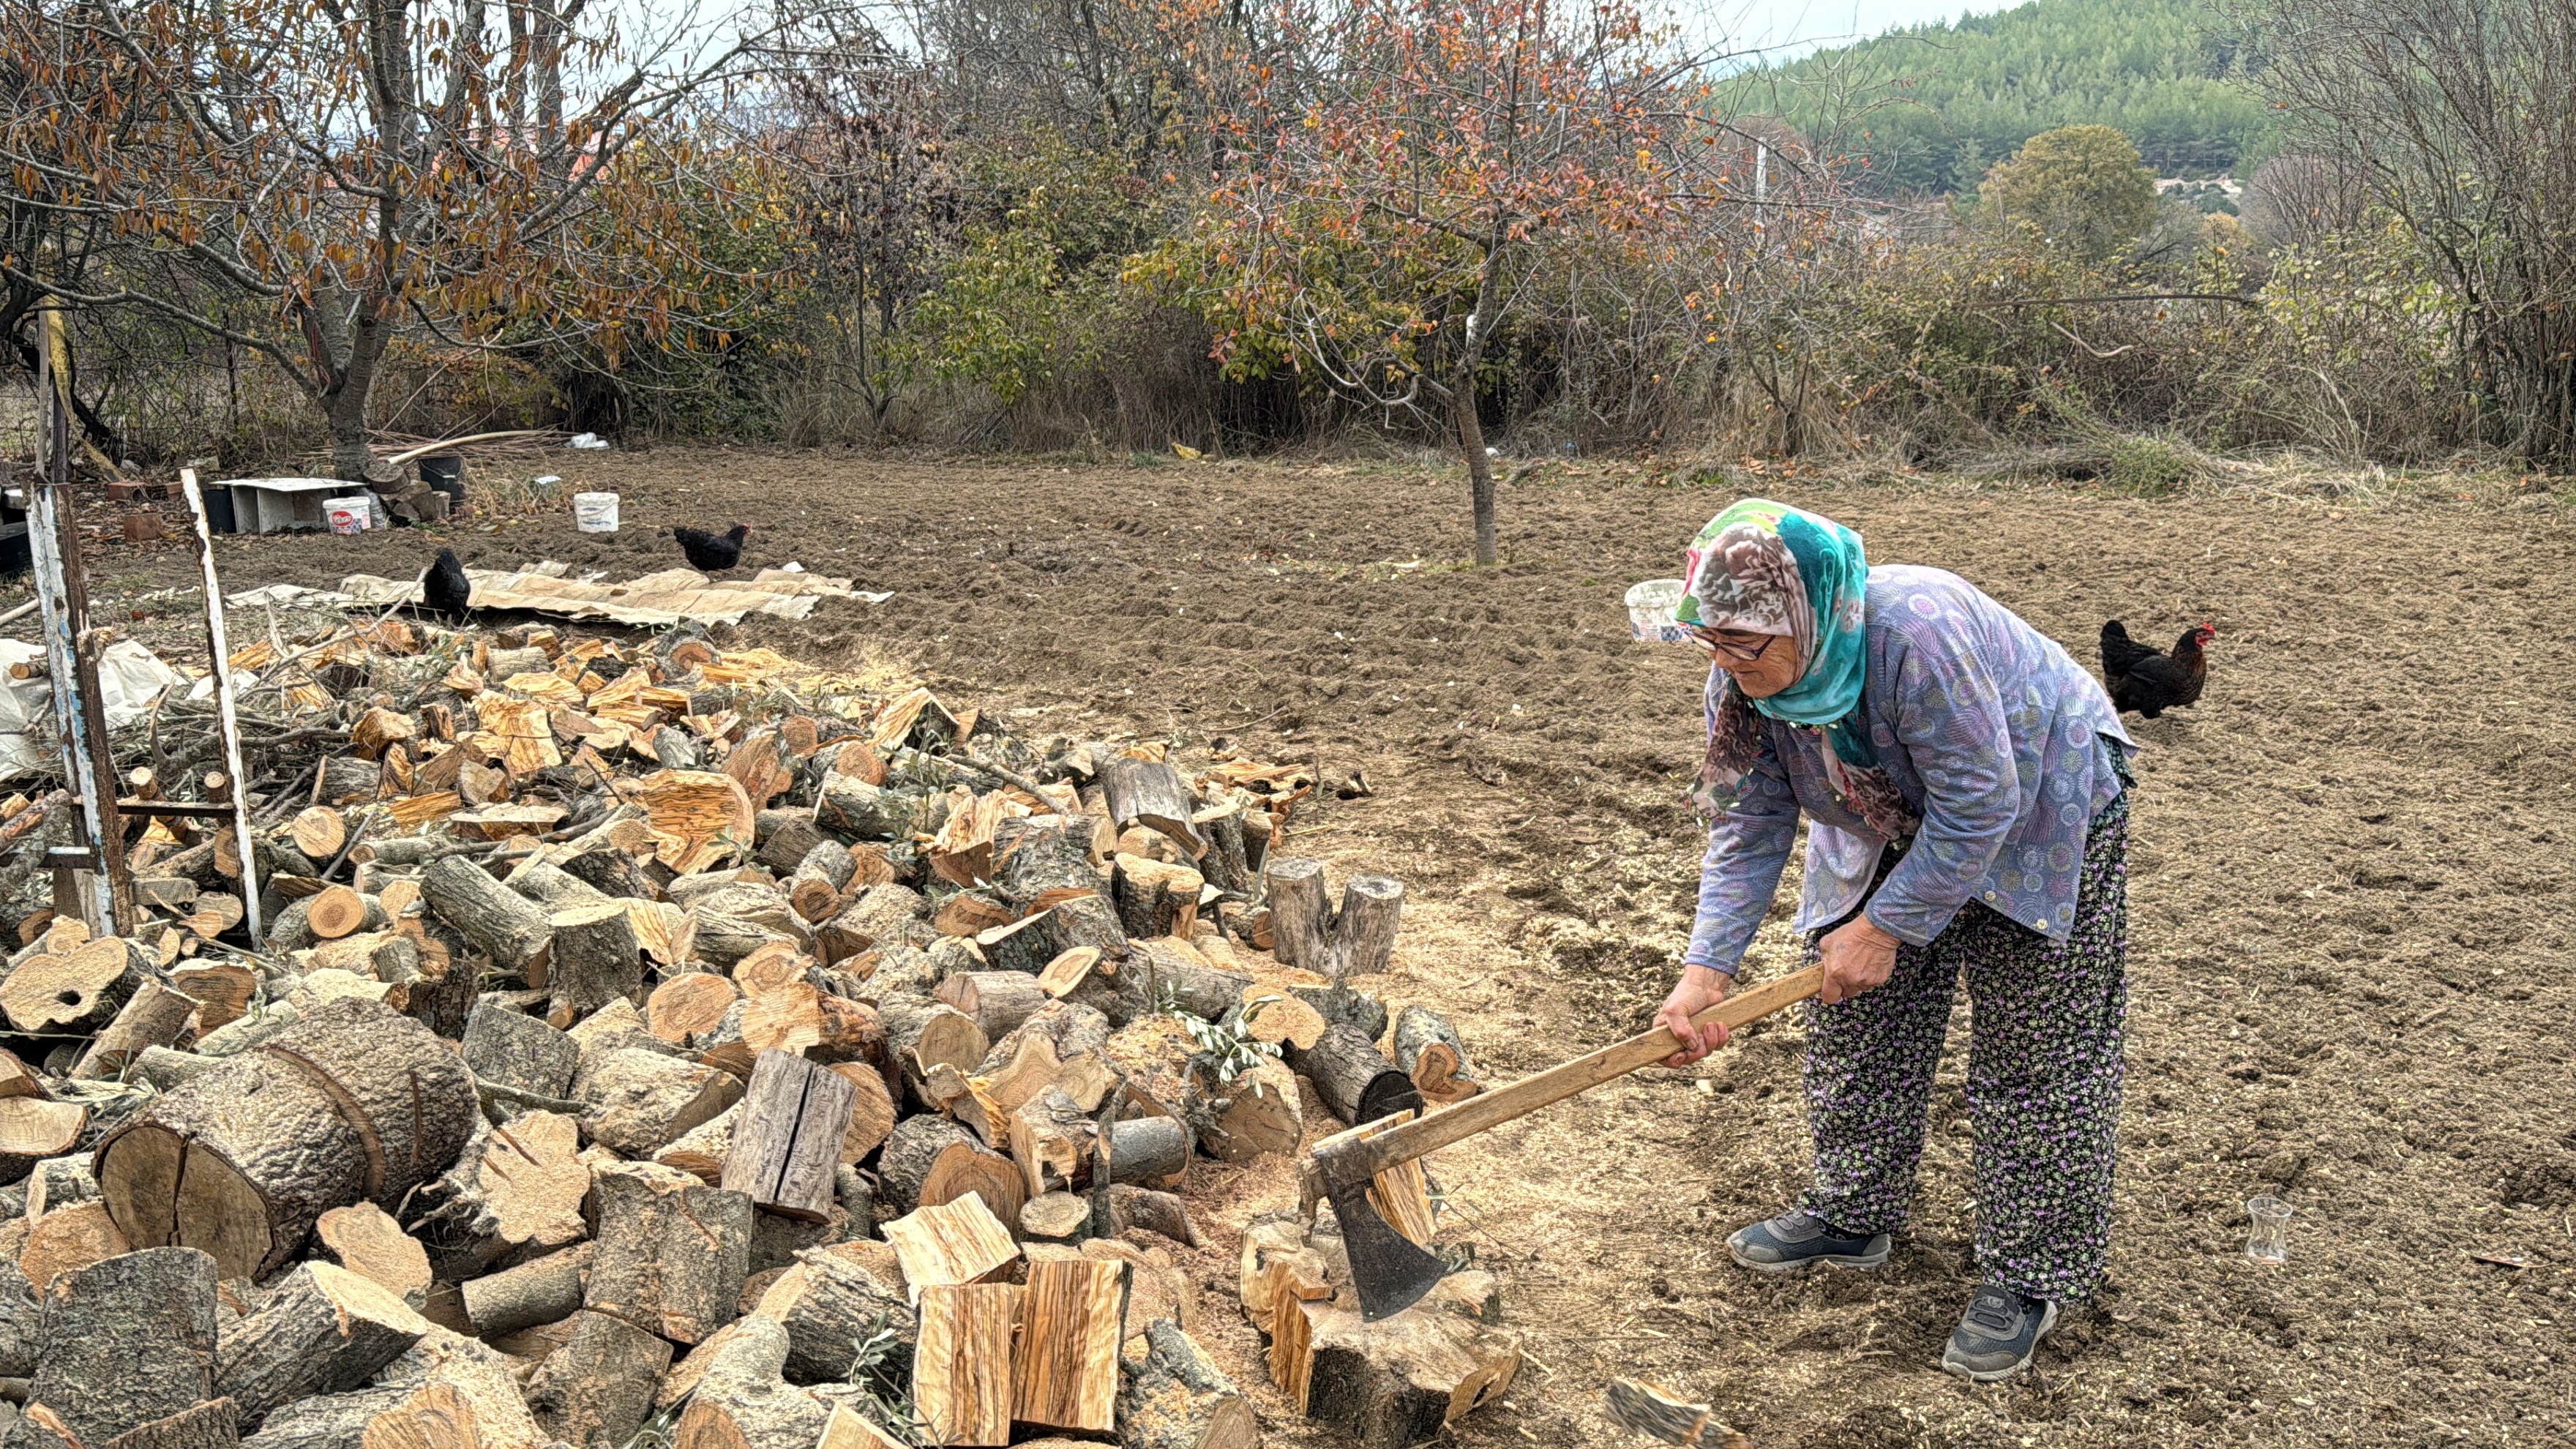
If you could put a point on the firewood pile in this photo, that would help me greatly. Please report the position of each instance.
(656, 1038)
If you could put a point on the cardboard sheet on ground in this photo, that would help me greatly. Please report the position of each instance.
(657, 599)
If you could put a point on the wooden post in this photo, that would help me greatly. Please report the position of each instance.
(62, 587)
(227, 722)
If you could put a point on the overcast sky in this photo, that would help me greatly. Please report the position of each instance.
(1789, 27)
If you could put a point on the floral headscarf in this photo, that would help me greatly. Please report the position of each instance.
(1766, 568)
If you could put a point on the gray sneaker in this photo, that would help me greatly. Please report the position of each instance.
(1795, 1239)
(1997, 1335)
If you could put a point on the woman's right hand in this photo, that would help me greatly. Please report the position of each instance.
(1699, 989)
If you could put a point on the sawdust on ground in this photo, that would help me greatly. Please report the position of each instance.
(2350, 878)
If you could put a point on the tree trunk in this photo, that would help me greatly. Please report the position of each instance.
(1480, 469)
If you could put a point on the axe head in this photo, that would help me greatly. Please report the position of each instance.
(1391, 1271)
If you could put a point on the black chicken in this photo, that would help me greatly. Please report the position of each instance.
(444, 590)
(712, 553)
(2148, 682)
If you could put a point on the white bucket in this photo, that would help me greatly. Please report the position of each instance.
(595, 512)
(350, 514)
(1650, 611)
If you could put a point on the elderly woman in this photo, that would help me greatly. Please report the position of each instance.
(1963, 779)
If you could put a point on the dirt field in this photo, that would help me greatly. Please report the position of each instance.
(2350, 913)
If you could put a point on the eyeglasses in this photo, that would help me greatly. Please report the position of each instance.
(1729, 652)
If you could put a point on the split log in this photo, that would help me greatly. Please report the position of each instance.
(517, 1050)
(1352, 1077)
(872, 1113)
(526, 1183)
(1364, 928)
(1428, 1050)
(597, 1390)
(848, 1429)
(322, 1330)
(787, 1138)
(689, 1004)
(832, 1302)
(1175, 1397)
(542, 1290)
(155, 1015)
(367, 1241)
(673, 1252)
(1065, 1372)
(1226, 865)
(67, 1240)
(961, 1368)
(1301, 914)
(1055, 1217)
(352, 1102)
(1067, 970)
(1051, 1141)
(814, 892)
(929, 1160)
(637, 1102)
(1279, 1018)
(75, 991)
(741, 1401)
(953, 1242)
(998, 1001)
(126, 1342)
(1660, 1414)
(1256, 1113)
(223, 991)
(33, 1129)
(1152, 794)
(594, 960)
(1156, 1212)
(504, 925)
(700, 1152)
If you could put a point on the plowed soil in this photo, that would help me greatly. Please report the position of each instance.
(2350, 875)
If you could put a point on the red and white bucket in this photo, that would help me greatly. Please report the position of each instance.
(349, 515)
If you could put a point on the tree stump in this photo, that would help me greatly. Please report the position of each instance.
(127, 1342)
(1405, 1378)
(1301, 914)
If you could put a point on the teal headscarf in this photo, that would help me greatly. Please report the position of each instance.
(1766, 568)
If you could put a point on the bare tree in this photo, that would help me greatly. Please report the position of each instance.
(2456, 113)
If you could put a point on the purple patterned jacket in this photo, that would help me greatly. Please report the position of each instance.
(1993, 734)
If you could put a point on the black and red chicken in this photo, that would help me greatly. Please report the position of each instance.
(712, 553)
(444, 590)
(2148, 681)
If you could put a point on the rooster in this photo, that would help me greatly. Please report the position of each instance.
(712, 553)
(2151, 683)
(444, 590)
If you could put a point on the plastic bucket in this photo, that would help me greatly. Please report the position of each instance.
(219, 510)
(350, 514)
(1650, 611)
(595, 512)
(445, 473)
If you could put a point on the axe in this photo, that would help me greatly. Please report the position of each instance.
(1391, 1271)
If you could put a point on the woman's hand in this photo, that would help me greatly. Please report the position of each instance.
(1700, 988)
(1858, 957)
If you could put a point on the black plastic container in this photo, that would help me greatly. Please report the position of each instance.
(445, 472)
(219, 510)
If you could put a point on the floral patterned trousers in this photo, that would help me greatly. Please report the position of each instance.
(2043, 1080)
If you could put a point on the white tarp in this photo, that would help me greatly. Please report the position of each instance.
(129, 679)
(656, 600)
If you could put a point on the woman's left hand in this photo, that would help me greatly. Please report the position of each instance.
(1858, 957)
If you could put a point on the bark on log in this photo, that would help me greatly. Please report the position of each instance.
(832, 1302)
(213, 1424)
(352, 1102)
(504, 925)
(1168, 972)
(1339, 1005)
(998, 1001)
(127, 1342)
(1301, 914)
(784, 837)
(1154, 899)
(1428, 1050)
(923, 1034)
(597, 1390)
(322, 1330)
(594, 960)
(814, 892)
(673, 1252)
(1155, 1212)
(327, 1421)
(787, 1138)
(637, 1101)
(929, 1160)
(741, 1400)
(544, 1290)
(1148, 1150)
(1405, 1378)
(517, 1050)
(155, 1015)
(1177, 1398)
(1153, 794)
(1352, 1078)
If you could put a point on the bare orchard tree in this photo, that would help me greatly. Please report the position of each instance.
(306, 179)
(2456, 114)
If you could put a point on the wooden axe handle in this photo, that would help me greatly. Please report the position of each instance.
(1350, 1153)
